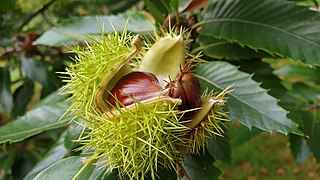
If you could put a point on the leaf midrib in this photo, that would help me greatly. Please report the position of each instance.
(263, 25)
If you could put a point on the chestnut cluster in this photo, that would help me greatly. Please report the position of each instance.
(145, 117)
(140, 86)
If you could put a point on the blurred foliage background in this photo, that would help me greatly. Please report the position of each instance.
(32, 52)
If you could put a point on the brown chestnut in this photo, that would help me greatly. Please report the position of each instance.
(135, 86)
(186, 87)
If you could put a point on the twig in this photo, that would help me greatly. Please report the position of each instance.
(26, 21)
(183, 172)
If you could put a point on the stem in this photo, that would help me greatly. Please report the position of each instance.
(100, 101)
(137, 40)
(26, 21)
(184, 172)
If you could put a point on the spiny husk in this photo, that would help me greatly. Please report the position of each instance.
(100, 59)
(138, 140)
(207, 122)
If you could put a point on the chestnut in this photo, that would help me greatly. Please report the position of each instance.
(135, 86)
(186, 87)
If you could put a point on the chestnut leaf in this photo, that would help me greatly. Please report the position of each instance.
(247, 103)
(267, 25)
(56, 152)
(201, 167)
(66, 169)
(223, 49)
(42, 117)
(75, 29)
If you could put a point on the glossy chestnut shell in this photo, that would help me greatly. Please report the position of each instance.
(186, 87)
(135, 86)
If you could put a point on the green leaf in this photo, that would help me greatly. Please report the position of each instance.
(219, 147)
(6, 163)
(56, 152)
(297, 72)
(312, 129)
(22, 97)
(86, 172)
(72, 133)
(171, 5)
(103, 172)
(65, 169)
(35, 121)
(6, 100)
(304, 93)
(314, 141)
(110, 175)
(51, 99)
(277, 27)
(247, 103)
(299, 148)
(240, 134)
(120, 5)
(164, 173)
(39, 71)
(156, 9)
(201, 167)
(75, 29)
(222, 49)
(35, 70)
(7, 5)
(263, 73)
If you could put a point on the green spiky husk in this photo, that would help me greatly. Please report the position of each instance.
(99, 59)
(210, 127)
(139, 140)
(136, 140)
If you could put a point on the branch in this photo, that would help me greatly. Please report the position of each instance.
(26, 21)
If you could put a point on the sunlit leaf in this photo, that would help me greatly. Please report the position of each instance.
(75, 29)
(35, 121)
(66, 169)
